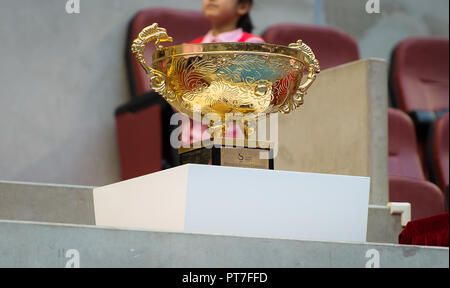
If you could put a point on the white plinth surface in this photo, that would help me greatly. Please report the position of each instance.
(239, 201)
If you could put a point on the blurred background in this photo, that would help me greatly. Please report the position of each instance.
(63, 75)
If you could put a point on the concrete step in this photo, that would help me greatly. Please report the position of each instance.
(75, 205)
(31, 244)
(46, 203)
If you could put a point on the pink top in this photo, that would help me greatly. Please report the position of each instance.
(231, 36)
(202, 134)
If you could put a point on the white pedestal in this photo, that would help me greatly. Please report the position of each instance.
(239, 201)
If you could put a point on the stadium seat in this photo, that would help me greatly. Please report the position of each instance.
(332, 47)
(404, 157)
(426, 198)
(419, 82)
(143, 140)
(419, 75)
(438, 160)
(143, 124)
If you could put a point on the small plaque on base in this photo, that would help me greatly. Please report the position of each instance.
(247, 156)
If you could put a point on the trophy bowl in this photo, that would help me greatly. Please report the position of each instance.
(228, 81)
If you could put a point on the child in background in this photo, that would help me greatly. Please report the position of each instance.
(230, 21)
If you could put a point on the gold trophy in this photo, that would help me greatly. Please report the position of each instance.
(228, 83)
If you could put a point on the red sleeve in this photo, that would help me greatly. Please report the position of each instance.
(198, 40)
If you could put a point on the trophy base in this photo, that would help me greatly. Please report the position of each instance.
(245, 155)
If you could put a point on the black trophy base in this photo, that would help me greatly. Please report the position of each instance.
(244, 156)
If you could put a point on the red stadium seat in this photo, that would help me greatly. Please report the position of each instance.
(404, 157)
(420, 74)
(143, 140)
(332, 47)
(419, 82)
(174, 21)
(438, 152)
(426, 198)
(139, 153)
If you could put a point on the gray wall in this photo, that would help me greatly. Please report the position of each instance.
(62, 76)
(377, 34)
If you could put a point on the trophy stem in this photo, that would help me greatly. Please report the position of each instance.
(249, 129)
(217, 131)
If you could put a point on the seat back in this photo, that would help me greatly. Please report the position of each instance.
(439, 152)
(139, 142)
(331, 47)
(426, 198)
(404, 157)
(143, 134)
(420, 74)
(183, 26)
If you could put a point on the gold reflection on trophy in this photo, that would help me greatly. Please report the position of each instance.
(245, 79)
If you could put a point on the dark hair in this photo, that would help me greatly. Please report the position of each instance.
(245, 22)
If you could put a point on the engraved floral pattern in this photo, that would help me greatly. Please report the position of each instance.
(233, 83)
(257, 79)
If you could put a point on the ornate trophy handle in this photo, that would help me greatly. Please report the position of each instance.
(157, 79)
(313, 69)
